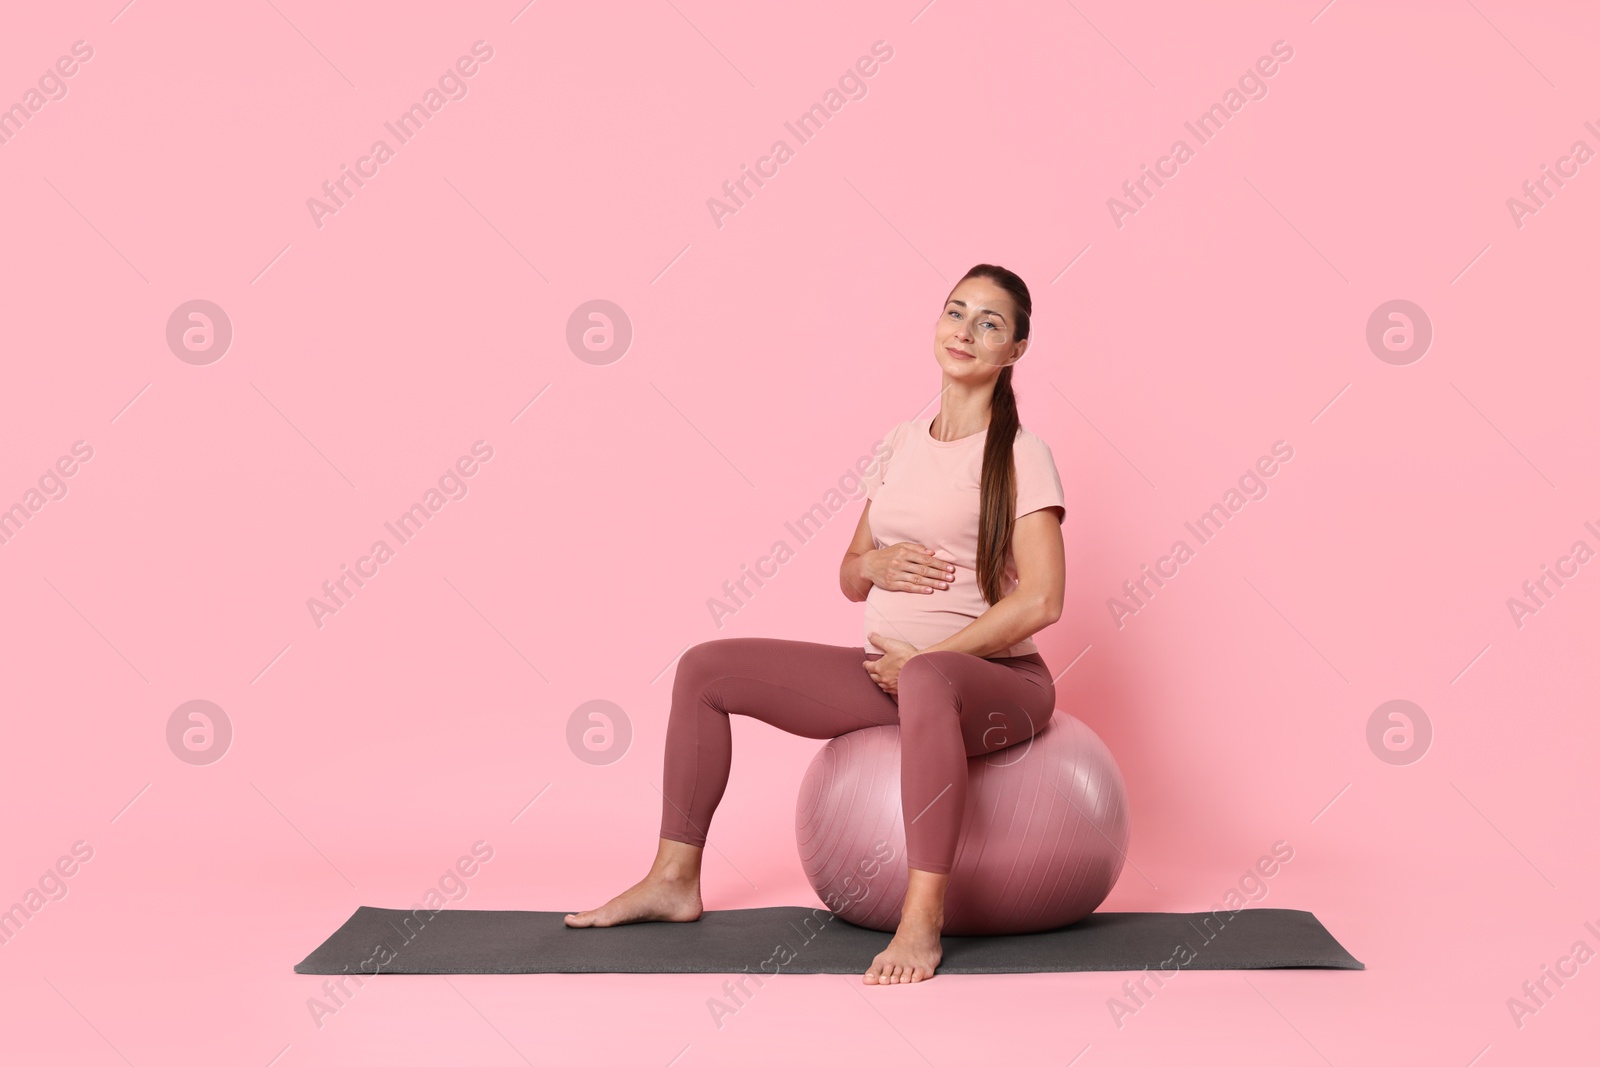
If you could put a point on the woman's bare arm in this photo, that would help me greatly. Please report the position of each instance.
(856, 585)
(1036, 601)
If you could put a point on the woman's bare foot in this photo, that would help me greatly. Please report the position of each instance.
(669, 893)
(914, 951)
(913, 954)
(653, 899)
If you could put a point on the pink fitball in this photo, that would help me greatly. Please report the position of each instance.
(1043, 838)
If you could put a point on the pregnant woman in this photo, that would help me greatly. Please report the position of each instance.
(958, 556)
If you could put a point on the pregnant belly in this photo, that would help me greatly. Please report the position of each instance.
(923, 619)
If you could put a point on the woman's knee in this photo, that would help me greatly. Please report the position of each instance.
(705, 661)
(936, 669)
(927, 690)
(718, 650)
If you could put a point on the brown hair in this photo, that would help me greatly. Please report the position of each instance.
(998, 497)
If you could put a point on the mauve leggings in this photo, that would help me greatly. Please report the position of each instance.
(951, 705)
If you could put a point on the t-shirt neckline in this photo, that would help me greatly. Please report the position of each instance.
(927, 433)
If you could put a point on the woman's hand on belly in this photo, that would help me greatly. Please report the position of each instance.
(908, 567)
(886, 669)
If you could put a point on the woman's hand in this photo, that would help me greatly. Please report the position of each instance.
(907, 567)
(886, 669)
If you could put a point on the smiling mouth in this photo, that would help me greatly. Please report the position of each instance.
(956, 352)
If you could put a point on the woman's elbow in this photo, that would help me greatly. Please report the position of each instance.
(847, 585)
(1049, 608)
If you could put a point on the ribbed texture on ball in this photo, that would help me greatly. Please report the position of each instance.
(1043, 837)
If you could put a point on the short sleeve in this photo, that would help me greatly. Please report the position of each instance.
(1038, 482)
(883, 451)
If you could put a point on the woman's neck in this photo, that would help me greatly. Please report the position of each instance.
(963, 427)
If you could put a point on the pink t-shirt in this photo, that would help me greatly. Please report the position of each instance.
(928, 491)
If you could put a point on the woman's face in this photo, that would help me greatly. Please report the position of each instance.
(976, 334)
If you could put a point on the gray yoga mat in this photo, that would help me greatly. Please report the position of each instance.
(790, 940)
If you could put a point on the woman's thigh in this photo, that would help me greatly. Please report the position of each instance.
(802, 687)
(1000, 702)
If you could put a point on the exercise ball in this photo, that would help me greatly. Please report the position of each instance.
(1043, 836)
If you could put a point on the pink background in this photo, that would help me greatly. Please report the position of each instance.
(767, 356)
